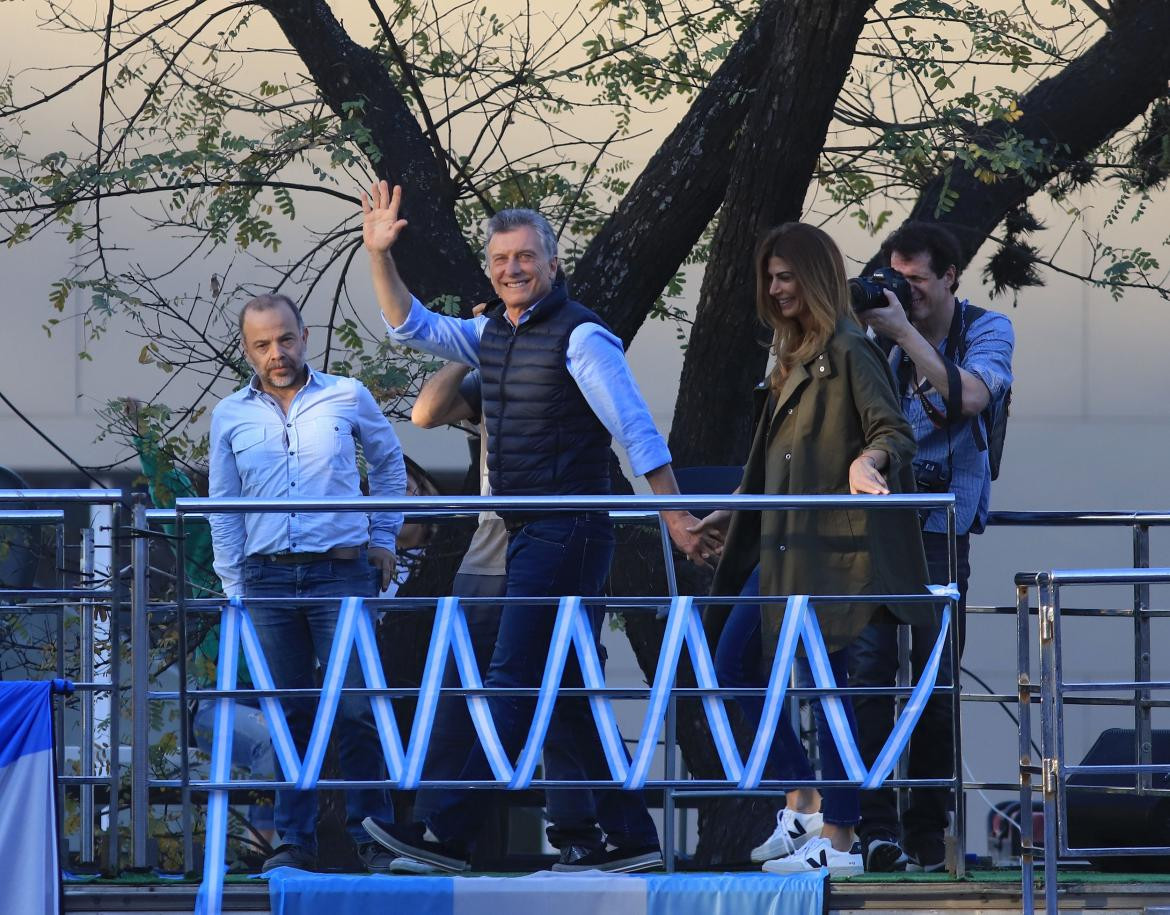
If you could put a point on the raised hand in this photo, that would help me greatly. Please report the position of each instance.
(380, 223)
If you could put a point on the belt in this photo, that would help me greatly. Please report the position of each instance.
(337, 552)
(513, 521)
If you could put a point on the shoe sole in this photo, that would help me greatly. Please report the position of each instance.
(403, 850)
(646, 862)
(402, 865)
(307, 866)
(887, 859)
(849, 870)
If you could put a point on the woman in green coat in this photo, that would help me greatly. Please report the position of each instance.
(831, 424)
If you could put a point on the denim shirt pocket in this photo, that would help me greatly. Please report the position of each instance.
(330, 439)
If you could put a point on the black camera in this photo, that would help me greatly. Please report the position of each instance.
(866, 292)
(931, 476)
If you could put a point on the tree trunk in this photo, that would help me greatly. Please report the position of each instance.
(662, 216)
(433, 256)
(811, 50)
(1075, 111)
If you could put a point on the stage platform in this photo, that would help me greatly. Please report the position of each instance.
(877, 894)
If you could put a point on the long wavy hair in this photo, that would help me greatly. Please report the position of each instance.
(819, 268)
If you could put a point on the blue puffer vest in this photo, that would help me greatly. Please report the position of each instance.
(543, 438)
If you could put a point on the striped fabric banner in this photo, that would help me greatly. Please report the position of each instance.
(28, 801)
(293, 892)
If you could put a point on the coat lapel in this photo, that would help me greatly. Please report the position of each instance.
(792, 385)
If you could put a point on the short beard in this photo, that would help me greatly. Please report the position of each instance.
(295, 378)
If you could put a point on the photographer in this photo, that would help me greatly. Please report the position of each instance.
(951, 361)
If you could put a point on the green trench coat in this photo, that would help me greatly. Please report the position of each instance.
(838, 404)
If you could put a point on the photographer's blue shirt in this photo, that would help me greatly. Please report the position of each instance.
(990, 340)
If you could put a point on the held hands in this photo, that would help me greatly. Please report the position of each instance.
(380, 223)
(866, 479)
(700, 541)
(385, 562)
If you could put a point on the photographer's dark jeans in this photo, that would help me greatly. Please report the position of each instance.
(738, 664)
(874, 662)
(295, 638)
(560, 555)
(571, 813)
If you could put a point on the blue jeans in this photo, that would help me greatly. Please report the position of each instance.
(874, 662)
(296, 637)
(738, 660)
(559, 555)
(571, 813)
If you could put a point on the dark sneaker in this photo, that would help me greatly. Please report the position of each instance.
(409, 840)
(575, 858)
(376, 859)
(883, 855)
(289, 856)
(926, 854)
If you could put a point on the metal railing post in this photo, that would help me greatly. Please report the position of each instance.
(1049, 717)
(1143, 734)
(956, 692)
(59, 707)
(184, 723)
(87, 716)
(140, 667)
(117, 597)
(1024, 710)
(671, 726)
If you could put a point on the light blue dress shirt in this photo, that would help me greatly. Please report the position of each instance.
(594, 358)
(258, 452)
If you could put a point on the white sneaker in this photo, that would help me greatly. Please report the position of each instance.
(818, 856)
(792, 831)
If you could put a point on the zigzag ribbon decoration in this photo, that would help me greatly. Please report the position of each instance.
(450, 630)
(209, 899)
(683, 624)
(799, 623)
(572, 625)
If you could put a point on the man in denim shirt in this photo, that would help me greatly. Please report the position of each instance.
(292, 432)
(951, 360)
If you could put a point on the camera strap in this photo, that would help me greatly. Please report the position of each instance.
(952, 412)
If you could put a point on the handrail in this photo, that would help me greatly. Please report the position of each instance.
(1138, 576)
(19, 516)
(473, 504)
(1076, 518)
(55, 496)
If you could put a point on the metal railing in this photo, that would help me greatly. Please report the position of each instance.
(142, 609)
(1053, 769)
(88, 598)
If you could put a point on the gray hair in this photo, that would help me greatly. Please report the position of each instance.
(507, 220)
(267, 301)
